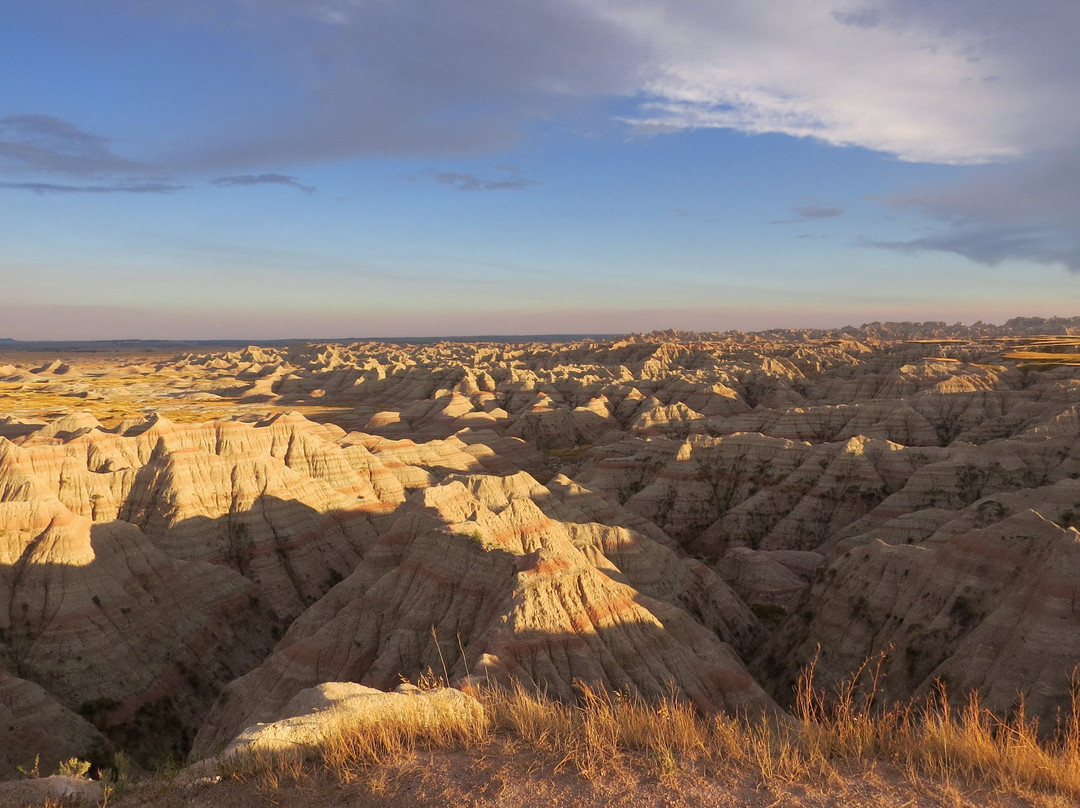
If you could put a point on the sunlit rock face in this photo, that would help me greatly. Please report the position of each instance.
(206, 536)
(478, 579)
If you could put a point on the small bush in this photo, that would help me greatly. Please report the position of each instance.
(73, 767)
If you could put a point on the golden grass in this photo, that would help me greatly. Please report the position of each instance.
(832, 737)
(354, 741)
(1044, 356)
(1055, 350)
(118, 403)
(842, 731)
(351, 745)
(935, 740)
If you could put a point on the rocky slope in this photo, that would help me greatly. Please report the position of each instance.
(700, 511)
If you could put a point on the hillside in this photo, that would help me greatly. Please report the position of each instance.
(188, 542)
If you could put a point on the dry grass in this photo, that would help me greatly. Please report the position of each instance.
(1043, 357)
(834, 734)
(353, 745)
(931, 739)
(357, 741)
(835, 738)
(1047, 351)
(112, 406)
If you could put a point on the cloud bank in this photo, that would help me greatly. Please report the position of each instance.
(1029, 211)
(949, 81)
(48, 144)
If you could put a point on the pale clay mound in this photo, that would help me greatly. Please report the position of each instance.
(696, 510)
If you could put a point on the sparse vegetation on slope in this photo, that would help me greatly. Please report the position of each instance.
(841, 742)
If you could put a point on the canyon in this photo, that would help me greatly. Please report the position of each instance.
(190, 539)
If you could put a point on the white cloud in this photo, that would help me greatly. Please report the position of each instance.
(888, 77)
(943, 81)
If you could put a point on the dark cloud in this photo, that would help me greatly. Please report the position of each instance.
(471, 182)
(119, 188)
(51, 147)
(806, 213)
(263, 179)
(818, 212)
(1029, 211)
(48, 144)
(859, 18)
(455, 78)
(995, 245)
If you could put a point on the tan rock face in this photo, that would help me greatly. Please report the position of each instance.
(33, 724)
(131, 639)
(188, 550)
(992, 608)
(773, 578)
(479, 580)
(636, 513)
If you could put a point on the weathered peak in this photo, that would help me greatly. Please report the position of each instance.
(521, 528)
(1064, 423)
(292, 422)
(13, 428)
(517, 586)
(55, 367)
(541, 401)
(495, 491)
(9, 452)
(65, 428)
(598, 405)
(991, 608)
(654, 419)
(262, 356)
(42, 531)
(135, 426)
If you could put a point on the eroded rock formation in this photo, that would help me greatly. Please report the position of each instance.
(703, 511)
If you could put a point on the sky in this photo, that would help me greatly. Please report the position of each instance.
(270, 169)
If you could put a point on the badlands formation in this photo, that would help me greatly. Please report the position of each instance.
(188, 542)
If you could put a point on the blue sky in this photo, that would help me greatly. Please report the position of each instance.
(268, 169)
